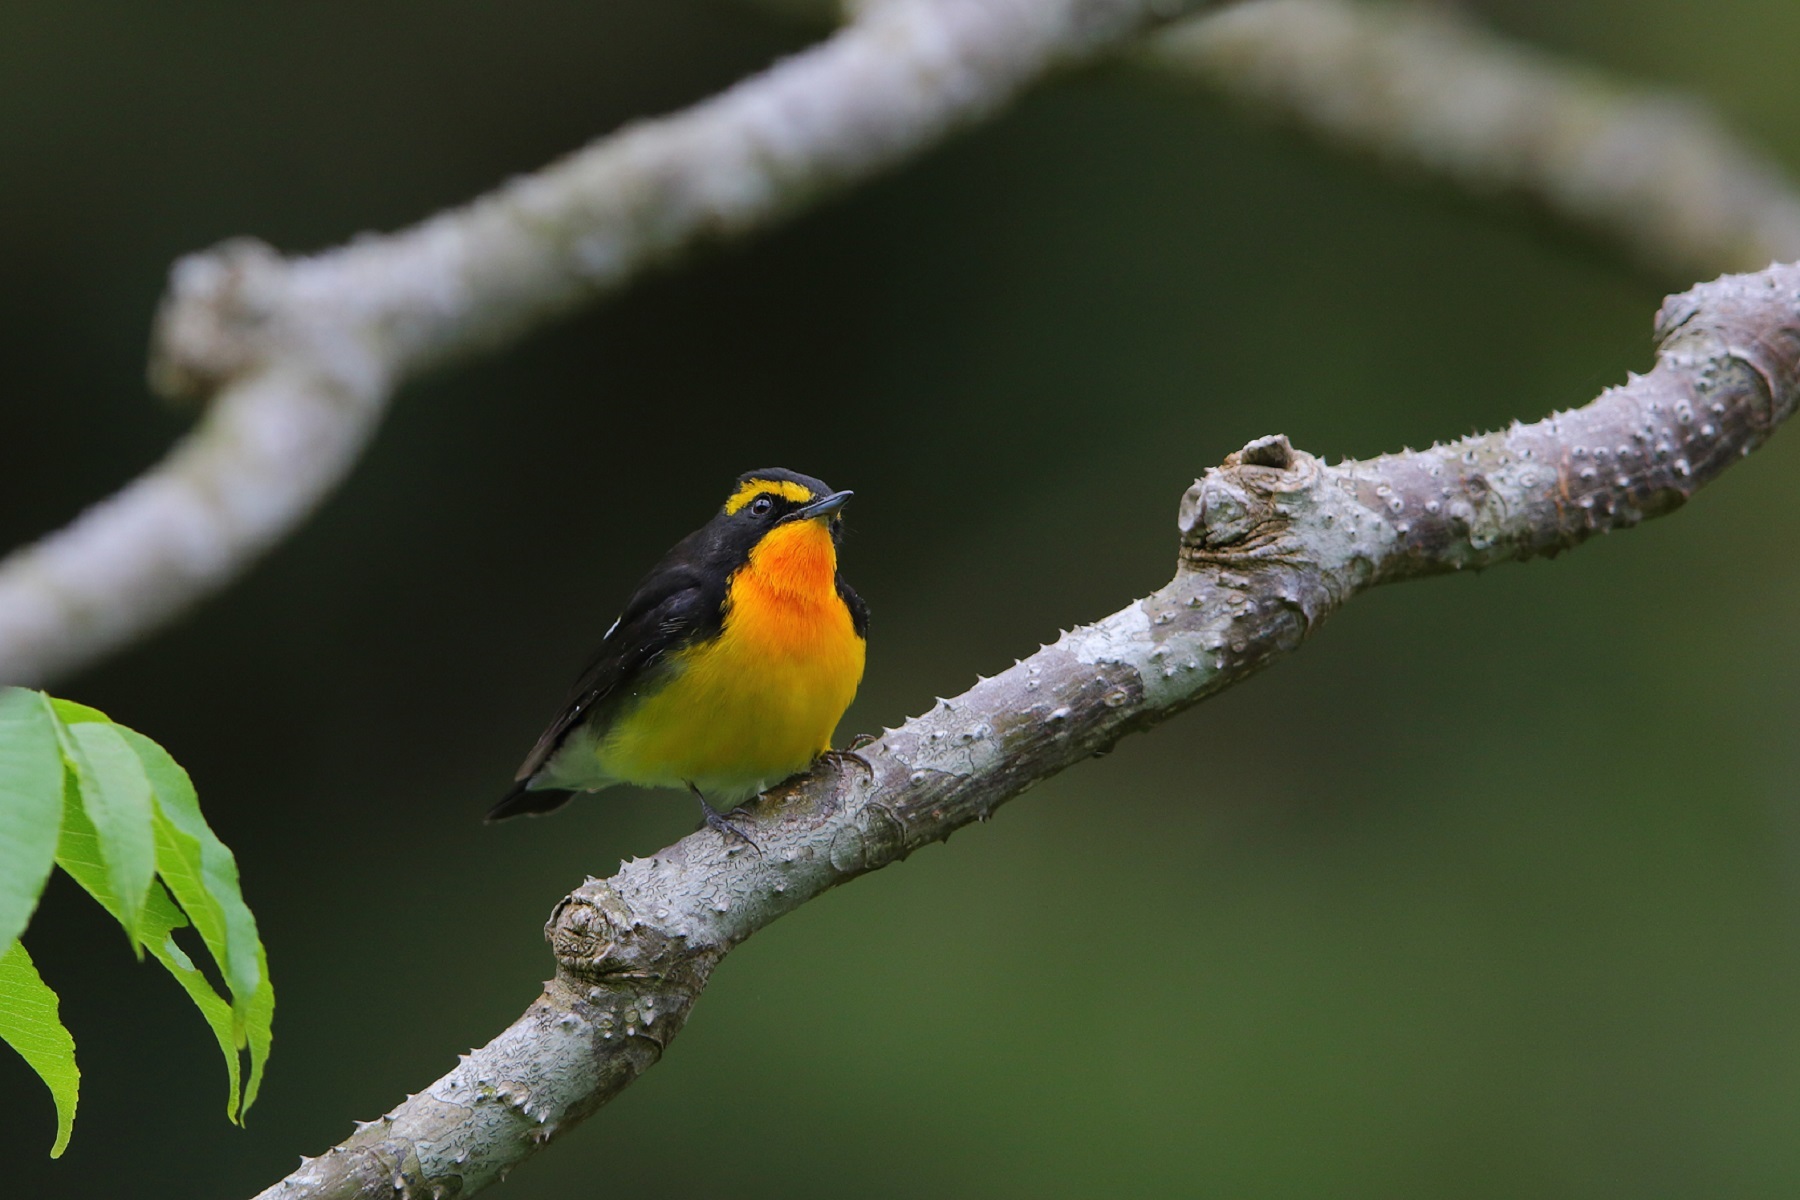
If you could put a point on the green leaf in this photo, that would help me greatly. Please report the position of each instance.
(162, 918)
(71, 713)
(115, 792)
(29, 1024)
(78, 853)
(259, 1030)
(201, 872)
(31, 807)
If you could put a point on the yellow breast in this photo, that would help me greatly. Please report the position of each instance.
(761, 700)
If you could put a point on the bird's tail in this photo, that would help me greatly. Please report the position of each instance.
(520, 802)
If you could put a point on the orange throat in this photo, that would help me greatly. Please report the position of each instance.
(795, 563)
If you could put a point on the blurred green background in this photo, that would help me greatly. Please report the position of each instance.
(1490, 892)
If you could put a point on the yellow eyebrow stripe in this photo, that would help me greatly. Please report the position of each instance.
(750, 489)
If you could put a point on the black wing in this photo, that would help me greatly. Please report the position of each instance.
(672, 606)
(859, 612)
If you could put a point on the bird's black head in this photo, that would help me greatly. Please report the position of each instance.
(773, 496)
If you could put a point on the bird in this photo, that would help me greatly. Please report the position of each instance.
(728, 669)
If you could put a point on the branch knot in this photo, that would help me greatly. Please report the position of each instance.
(598, 938)
(213, 324)
(1237, 508)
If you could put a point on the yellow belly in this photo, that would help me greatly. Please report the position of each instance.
(748, 708)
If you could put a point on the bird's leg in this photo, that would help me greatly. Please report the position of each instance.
(718, 823)
(849, 754)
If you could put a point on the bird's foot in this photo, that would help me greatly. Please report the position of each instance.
(716, 821)
(840, 758)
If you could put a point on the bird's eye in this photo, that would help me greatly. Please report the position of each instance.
(762, 506)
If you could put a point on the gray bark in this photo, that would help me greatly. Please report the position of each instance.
(1271, 543)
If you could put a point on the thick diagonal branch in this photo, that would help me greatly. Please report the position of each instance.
(1271, 543)
(300, 356)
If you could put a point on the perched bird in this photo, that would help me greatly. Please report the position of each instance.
(729, 668)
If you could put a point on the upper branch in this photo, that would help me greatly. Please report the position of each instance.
(896, 80)
(1271, 543)
(299, 356)
(1419, 86)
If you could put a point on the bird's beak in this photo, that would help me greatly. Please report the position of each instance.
(821, 508)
